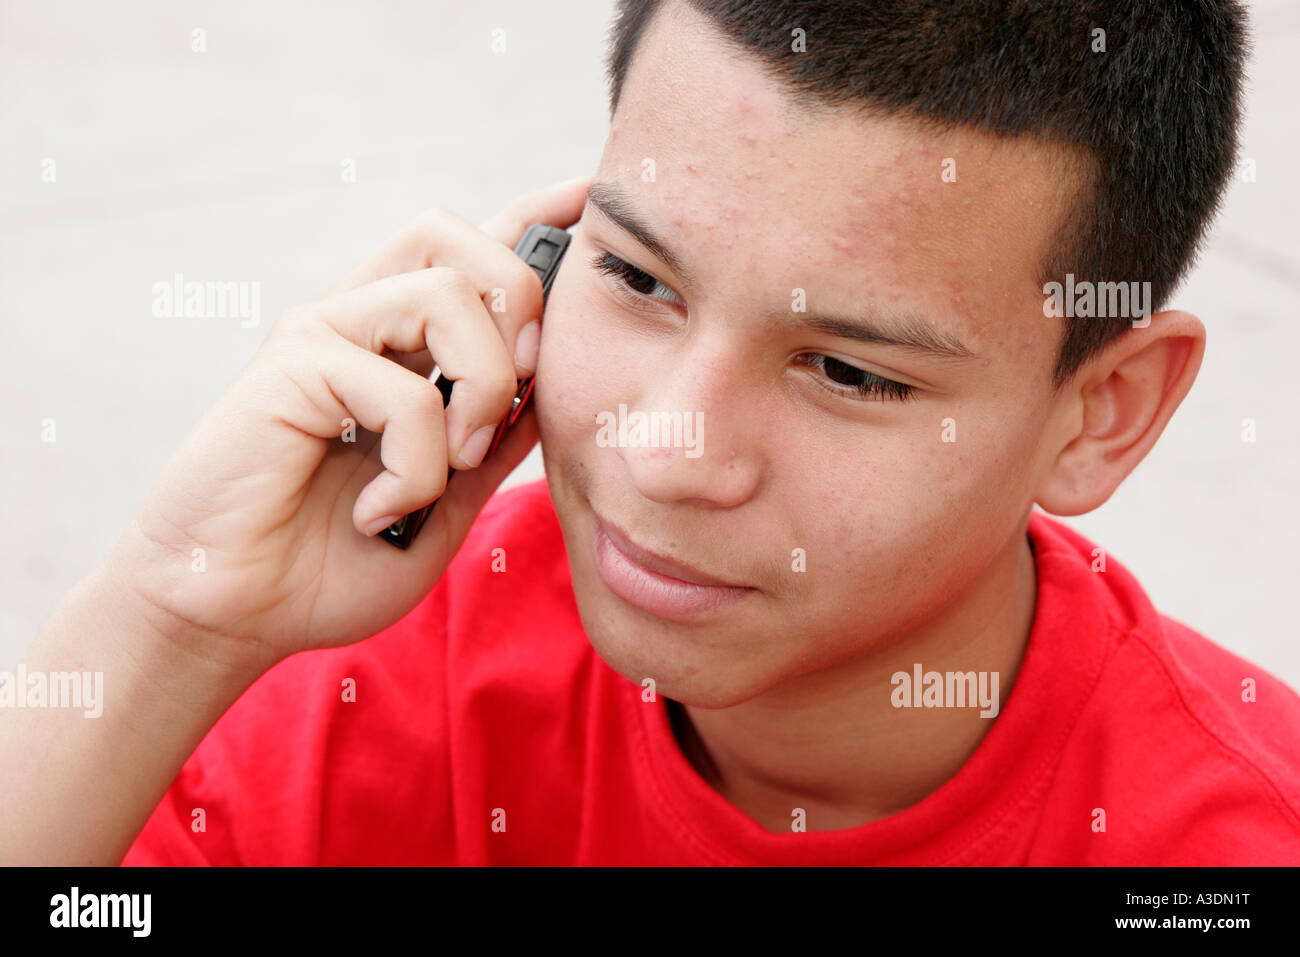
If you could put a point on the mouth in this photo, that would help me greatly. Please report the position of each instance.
(657, 584)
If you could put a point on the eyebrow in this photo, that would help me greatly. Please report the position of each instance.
(903, 330)
(617, 207)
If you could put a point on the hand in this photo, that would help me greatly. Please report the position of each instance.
(279, 512)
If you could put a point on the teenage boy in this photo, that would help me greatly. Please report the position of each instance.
(831, 628)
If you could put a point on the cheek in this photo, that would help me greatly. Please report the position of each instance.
(875, 489)
(583, 366)
(885, 519)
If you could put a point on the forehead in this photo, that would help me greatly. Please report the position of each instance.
(756, 189)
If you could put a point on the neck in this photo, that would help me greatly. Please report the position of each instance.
(834, 744)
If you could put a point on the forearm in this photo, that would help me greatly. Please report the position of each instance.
(77, 788)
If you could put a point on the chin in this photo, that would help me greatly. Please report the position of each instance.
(685, 666)
(695, 663)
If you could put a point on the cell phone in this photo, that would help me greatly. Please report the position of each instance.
(542, 247)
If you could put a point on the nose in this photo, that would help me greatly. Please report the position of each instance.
(688, 438)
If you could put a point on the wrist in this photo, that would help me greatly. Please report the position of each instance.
(155, 636)
(157, 691)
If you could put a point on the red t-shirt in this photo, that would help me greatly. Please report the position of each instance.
(487, 705)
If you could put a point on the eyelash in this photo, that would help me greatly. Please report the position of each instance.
(873, 387)
(624, 274)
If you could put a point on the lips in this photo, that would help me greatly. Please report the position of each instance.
(659, 564)
(659, 585)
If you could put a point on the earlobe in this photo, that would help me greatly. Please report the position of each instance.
(1119, 404)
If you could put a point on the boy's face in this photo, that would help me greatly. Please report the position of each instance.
(897, 505)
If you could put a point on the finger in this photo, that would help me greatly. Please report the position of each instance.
(436, 309)
(465, 497)
(342, 382)
(421, 242)
(559, 204)
(508, 286)
(421, 363)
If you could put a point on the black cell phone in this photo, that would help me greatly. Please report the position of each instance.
(542, 247)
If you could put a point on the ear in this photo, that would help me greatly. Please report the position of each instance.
(1116, 406)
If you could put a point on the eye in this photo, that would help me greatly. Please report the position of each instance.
(631, 284)
(854, 382)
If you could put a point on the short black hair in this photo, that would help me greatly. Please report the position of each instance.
(1154, 118)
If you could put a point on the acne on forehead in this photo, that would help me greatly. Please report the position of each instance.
(820, 192)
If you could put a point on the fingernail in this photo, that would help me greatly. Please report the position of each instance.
(379, 524)
(530, 336)
(475, 447)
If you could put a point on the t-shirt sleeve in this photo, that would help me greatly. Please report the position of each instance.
(333, 757)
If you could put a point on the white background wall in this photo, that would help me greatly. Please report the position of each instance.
(226, 165)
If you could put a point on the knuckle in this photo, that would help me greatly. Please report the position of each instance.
(429, 483)
(436, 483)
(500, 389)
(431, 480)
(452, 282)
(512, 216)
(426, 221)
(435, 221)
(295, 325)
(528, 282)
(418, 233)
(295, 319)
(425, 400)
